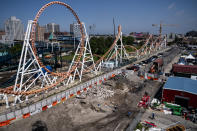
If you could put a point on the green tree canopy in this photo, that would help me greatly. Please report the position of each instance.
(100, 45)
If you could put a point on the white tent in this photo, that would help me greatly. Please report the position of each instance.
(190, 57)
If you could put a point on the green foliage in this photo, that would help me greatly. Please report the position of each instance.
(4, 48)
(100, 45)
(138, 46)
(192, 33)
(96, 58)
(170, 43)
(139, 126)
(130, 49)
(128, 40)
(15, 49)
(68, 57)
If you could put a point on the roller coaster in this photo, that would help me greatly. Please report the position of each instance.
(33, 77)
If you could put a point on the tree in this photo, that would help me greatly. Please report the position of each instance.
(101, 45)
(108, 42)
(192, 33)
(97, 45)
(15, 49)
(127, 40)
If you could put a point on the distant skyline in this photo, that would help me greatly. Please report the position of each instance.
(133, 15)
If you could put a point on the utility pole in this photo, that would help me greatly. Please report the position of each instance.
(114, 28)
(160, 28)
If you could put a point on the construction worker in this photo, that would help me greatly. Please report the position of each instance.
(153, 115)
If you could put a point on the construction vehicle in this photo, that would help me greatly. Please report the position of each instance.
(161, 26)
(145, 101)
(157, 66)
(176, 109)
(177, 127)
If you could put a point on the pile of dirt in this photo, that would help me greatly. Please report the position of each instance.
(137, 87)
(110, 106)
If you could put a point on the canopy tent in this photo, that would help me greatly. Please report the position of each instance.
(52, 36)
(190, 57)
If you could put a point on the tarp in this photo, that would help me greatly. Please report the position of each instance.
(190, 57)
(181, 84)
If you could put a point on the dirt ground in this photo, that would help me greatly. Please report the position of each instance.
(111, 106)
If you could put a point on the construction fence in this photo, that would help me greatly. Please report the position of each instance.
(6, 118)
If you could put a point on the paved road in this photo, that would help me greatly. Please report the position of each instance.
(168, 58)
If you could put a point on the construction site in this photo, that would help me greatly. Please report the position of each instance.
(112, 105)
(121, 91)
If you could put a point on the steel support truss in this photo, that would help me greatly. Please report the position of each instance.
(29, 71)
(4, 96)
(118, 53)
(85, 62)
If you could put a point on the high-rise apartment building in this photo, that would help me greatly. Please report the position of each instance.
(52, 27)
(71, 29)
(40, 32)
(2, 33)
(75, 30)
(14, 29)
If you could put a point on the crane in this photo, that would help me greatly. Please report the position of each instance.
(161, 26)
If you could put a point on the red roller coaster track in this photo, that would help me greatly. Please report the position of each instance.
(64, 75)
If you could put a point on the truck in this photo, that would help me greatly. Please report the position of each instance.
(176, 109)
(157, 66)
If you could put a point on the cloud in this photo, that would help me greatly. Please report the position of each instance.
(179, 13)
(172, 5)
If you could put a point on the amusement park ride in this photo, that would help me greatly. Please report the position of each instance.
(33, 77)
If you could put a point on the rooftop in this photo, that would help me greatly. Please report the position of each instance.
(181, 84)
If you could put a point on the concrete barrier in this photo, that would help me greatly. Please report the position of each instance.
(18, 113)
(10, 115)
(3, 118)
(49, 102)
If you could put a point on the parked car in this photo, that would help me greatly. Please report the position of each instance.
(142, 63)
(154, 58)
(160, 54)
(134, 67)
(145, 61)
(149, 60)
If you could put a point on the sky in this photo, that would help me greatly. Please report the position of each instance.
(132, 15)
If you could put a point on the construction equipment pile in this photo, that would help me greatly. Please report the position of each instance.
(102, 92)
(98, 92)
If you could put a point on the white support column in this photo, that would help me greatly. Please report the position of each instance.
(5, 98)
(29, 70)
(121, 48)
(87, 57)
(119, 51)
